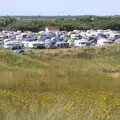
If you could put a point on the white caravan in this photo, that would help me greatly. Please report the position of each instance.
(36, 44)
(103, 41)
(81, 43)
(12, 45)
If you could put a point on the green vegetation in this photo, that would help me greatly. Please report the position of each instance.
(63, 84)
(35, 24)
(5, 21)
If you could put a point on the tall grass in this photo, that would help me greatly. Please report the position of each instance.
(68, 84)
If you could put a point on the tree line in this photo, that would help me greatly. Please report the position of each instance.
(81, 23)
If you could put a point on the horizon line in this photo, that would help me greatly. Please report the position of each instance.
(56, 15)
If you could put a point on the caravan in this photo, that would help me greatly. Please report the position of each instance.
(36, 44)
(81, 43)
(104, 41)
(13, 45)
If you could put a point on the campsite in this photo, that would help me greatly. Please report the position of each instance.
(59, 60)
(53, 38)
(55, 74)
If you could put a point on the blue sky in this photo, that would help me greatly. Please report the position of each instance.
(60, 7)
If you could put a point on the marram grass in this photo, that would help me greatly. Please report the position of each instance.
(68, 84)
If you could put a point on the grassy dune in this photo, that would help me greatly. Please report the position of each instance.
(63, 84)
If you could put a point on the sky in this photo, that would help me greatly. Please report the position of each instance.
(59, 7)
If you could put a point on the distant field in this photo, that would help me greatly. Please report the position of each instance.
(61, 84)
